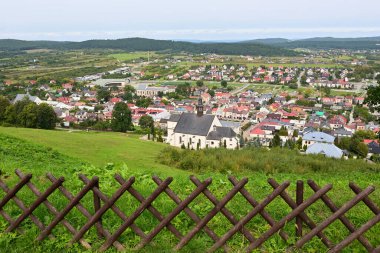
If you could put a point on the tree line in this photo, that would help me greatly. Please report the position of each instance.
(141, 44)
(25, 113)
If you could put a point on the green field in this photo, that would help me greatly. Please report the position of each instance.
(133, 56)
(68, 153)
(57, 64)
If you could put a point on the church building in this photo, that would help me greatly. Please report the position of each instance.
(199, 131)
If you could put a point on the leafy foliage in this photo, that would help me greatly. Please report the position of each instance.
(146, 122)
(25, 113)
(103, 95)
(4, 103)
(373, 98)
(276, 160)
(144, 102)
(121, 118)
(363, 113)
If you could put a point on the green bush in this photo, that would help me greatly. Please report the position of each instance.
(275, 160)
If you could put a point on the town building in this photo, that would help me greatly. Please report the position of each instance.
(199, 131)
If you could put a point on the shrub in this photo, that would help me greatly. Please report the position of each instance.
(258, 159)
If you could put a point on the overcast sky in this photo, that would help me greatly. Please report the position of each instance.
(187, 20)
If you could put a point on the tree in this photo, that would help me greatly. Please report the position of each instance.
(295, 133)
(101, 126)
(146, 122)
(159, 138)
(290, 144)
(127, 96)
(46, 117)
(344, 143)
(199, 83)
(276, 142)
(303, 80)
(299, 143)
(13, 112)
(212, 93)
(283, 131)
(103, 95)
(11, 115)
(373, 98)
(362, 149)
(143, 102)
(153, 131)
(224, 83)
(326, 90)
(364, 134)
(28, 116)
(129, 88)
(287, 98)
(4, 103)
(183, 89)
(121, 118)
(160, 94)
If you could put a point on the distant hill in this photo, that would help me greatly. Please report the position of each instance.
(268, 41)
(141, 44)
(324, 43)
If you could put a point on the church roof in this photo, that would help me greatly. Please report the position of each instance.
(221, 132)
(174, 117)
(190, 123)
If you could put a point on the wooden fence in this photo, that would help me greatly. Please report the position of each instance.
(103, 203)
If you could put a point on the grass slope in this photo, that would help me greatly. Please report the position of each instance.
(68, 154)
(99, 149)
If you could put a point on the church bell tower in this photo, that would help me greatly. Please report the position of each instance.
(200, 107)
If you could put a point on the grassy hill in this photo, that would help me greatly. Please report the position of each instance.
(141, 44)
(69, 153)
(99, 149)
(324, 43)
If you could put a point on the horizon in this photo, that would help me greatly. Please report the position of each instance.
(199, 21)
(198, 40)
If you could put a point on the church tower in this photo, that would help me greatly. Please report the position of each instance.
(200, 107)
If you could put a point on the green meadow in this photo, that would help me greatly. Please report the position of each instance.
(68, 154)
(132, 56)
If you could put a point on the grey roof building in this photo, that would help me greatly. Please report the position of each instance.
(318, 137)
(221, 132)
(190, 123)
(328, 150)
(199, 130)
(20, 97)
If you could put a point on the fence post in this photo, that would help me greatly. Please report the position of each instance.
(97, 206)
(299, 200)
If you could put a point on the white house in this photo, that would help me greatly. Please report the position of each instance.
(317, 137)
(326, 149)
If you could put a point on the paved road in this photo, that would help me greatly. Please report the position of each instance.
(245, 86)
(299, 78)
(352, 115)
